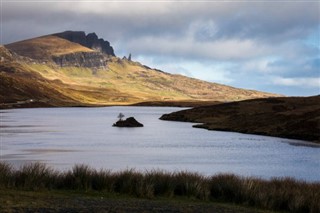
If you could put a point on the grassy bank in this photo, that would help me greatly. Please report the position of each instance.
(283, 194)
(287, 117)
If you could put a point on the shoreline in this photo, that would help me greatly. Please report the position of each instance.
(172, 116)
(42, 104)
(299, 141)
(286, 117)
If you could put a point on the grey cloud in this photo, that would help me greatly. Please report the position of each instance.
(273, 21)
(161, 28)
(190, 49)
(301, 68)
(270, 21)
(259, 38)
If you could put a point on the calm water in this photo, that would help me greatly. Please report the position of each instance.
(63, 137)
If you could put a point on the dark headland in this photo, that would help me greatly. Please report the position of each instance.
(287, 117)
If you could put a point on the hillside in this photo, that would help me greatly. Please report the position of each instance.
(289, 117)
(46, 46)
(68, 69)
(23, 86)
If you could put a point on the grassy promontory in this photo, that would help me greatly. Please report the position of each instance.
(287, 117)
(88, 186)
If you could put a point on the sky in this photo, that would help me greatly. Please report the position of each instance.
(271, 46)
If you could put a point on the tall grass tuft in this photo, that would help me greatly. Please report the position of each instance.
(35, 176)
(79, 178)
(159, 183)
(5, 175)
(279, 194)
(128, 182)
(226, 187)
(191, 185)
(102, 180)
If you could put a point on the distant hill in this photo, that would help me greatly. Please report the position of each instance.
(288, 117)
(72, 68)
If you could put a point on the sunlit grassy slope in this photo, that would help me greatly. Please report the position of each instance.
(119, 82)
(139, 83)
(46, 46)
(22, 80)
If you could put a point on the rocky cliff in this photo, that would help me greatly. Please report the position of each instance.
(91, 41)
(81, 59)
(65, 52)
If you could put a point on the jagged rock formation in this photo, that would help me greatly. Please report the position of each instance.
(66, 49)
(91, 41)
(128, 59)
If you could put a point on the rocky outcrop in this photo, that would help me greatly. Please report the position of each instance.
(129, 122)
(101, 45)
(81, 59)
(91, 41)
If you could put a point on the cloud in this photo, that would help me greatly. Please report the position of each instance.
(300, 82)
(264, 43)
(231, 20)
(301, 67)
(204, 70)
(189, 48)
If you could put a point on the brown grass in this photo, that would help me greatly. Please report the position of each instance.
(121, 82)
(288, 117)
(45, 47)
(278, 194)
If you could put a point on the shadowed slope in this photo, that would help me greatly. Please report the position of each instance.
(292, 117)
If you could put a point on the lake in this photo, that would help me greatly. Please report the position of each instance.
(63, 137)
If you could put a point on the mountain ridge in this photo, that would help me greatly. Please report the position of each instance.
(92, 77)
(90, 40)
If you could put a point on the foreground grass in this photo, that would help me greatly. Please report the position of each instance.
(283, 194)
(94, 201)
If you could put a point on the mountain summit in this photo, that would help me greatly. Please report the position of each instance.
(91, 41)
(72, 68)
(66, 49)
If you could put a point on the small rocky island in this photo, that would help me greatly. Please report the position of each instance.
(129, 122)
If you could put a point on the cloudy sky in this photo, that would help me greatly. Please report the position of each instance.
(271, 46)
